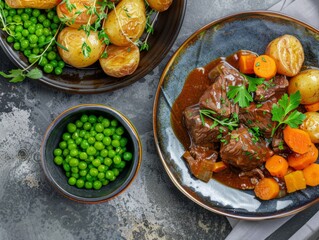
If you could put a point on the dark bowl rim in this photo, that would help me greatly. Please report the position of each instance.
(132, 132)
(108, 88)
(158, 91)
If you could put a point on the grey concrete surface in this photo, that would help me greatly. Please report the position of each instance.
(152, 208)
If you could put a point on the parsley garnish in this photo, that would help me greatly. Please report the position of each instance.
(230, 123)
(282, 112)
(242, 95)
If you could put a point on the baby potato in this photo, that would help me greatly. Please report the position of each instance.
(126, 23)
(79, 15)
(307, 83)
(288, 53)
(160, 5)
(311, 126)
(75, 41)
(121, 61)
(41, 4)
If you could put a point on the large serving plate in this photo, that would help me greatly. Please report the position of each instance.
(93, 79)
(251, 31)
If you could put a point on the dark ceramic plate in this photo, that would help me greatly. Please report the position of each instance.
(93, 79)
(251, 31)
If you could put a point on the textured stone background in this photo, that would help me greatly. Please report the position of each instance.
(152, 208)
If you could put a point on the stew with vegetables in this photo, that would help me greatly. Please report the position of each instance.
(243, 124)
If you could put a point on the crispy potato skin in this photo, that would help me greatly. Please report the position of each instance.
(76, 20)
(288, 54)
(307, 83)
(311, 126)
(73, 40)
(121, 61)
(160, 5)
(41, 4)
(126, 23)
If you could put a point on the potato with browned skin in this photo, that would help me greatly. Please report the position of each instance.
(40, 4)
(75, 42)
(126, 23)
(288, 54)
(120, 61)
(160, 5)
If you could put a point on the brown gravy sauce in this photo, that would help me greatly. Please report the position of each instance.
(195, 85)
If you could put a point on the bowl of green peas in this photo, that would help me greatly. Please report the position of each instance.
(91, 153)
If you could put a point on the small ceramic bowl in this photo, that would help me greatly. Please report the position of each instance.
(56, 174)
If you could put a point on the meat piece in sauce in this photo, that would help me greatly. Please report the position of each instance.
(258, 116)
(278, 144)
(272, 88)
(200, 134)
(242, 151)
(215, 97)
(202, 167)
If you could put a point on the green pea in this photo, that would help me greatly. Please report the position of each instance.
(72, 181)
(58, 160)
(97, 185)
(74, 162)
(82, 165)
(88, 185)
(80, 183)
(57, 152)
(127, 156)
(93, 172)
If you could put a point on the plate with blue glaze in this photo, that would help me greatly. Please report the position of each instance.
(251, 31)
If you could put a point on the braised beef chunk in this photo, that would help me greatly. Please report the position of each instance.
(273, 88)
(200, 168)
(241, 150)
(201, 134)
(215, 97)
(278, 144)
(258, 116)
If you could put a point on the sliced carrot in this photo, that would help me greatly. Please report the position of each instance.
(266, 189)
(295, 181)
(297, 139)
(311, 174)
(265, 67)
(312, 107)
(277, 166)
(301, 161)
(219, 166)
(246, 63)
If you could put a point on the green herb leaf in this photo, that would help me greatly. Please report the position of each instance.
(253, 82)
(35, 74)
(86, 50)
(240, 95)
(15, 75)
(61, 46)
(230, 123)
(281, 112)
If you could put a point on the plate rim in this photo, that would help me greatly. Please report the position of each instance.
(156, 101)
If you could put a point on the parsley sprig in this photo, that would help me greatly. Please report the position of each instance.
(284, 112)
(230, 123)
(241, 94)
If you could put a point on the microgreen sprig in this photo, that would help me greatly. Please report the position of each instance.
(230, 123)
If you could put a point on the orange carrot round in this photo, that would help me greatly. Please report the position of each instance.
(266, 189)
(265, 67)
(311, 174)
(301, 161)
(312, 107)
(297, 139)
(246, 63)
(277, 166)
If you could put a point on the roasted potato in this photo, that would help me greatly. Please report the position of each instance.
(307, 82)
(311, 125)
(126, 23)
(288, 53)
(120, 61)
(75, 41)
(79, 15)
(41, 4)
(160, 5)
